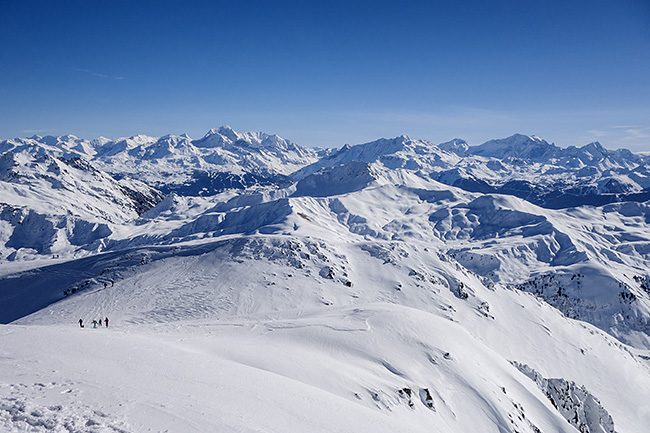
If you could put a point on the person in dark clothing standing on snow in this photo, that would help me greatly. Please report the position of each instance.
(106, 321)
(81, 323)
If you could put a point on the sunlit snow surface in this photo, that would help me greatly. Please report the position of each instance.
(365, 297)
(252, 334)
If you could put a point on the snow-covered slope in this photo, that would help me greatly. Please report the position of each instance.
(53, 205)
(591, 263)
(364, 295)
(277, 332)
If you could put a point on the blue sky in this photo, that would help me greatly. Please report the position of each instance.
(329, 73)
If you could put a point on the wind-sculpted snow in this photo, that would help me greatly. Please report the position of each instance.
(566, 261)
(628, 209)
(499, 237)
(250, 198)
(225, 263)
(356, 224)
(30, 233)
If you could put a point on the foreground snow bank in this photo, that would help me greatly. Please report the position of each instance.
(375, 367)
(107, 380)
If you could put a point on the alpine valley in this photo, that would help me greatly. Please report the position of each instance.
(256, 285)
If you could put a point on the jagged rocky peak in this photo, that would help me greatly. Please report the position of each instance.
(276, 142)
(594, 154)
(266, 152)
(595, 151)
(594, 147)
(226, 131)
(403, 142)
(219, 137)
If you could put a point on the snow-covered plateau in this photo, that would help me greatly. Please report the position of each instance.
(256, 285)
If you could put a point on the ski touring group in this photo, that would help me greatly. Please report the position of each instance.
(95, 323)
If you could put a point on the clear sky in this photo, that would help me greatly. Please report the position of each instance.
(326, 73)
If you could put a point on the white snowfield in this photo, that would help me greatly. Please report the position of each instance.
(361, 297)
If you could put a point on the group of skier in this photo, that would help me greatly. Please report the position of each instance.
(94, 322)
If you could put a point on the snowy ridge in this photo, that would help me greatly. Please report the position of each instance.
(400, 152)
(355, 282)
(516, 146)
(56, 205)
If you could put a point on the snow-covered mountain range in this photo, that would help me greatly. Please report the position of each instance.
(523, 166)
(221, 159)
(396, 285)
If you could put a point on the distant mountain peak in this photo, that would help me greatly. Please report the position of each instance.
(218, 137)
(594, 145)
(524, 137)
(457, 146)
(516, 146)
(225, 131)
